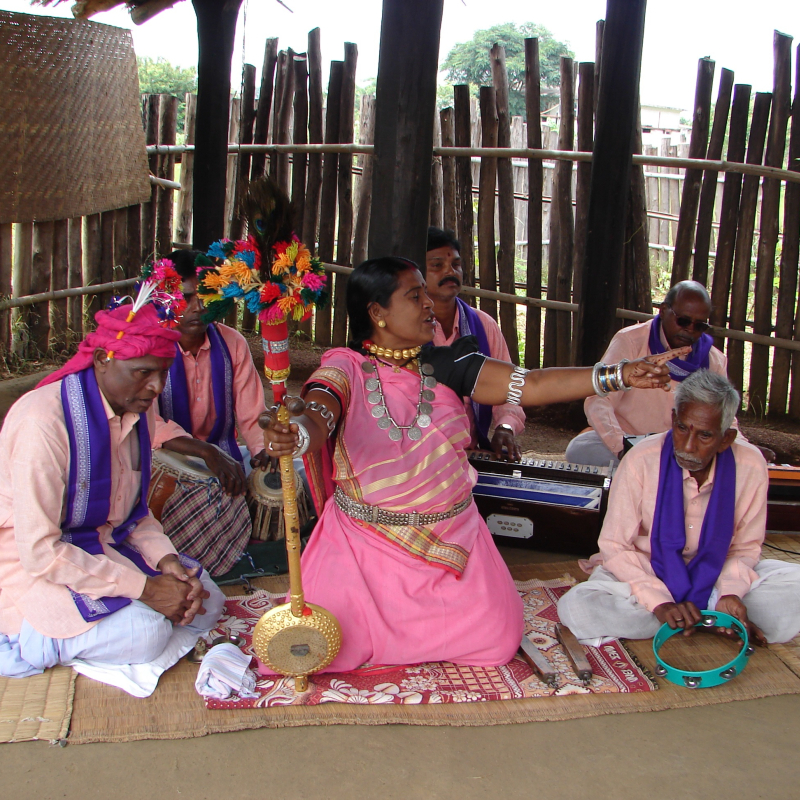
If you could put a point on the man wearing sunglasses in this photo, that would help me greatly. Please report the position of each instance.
(681, 322)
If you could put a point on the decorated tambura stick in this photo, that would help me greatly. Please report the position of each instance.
(296, 638)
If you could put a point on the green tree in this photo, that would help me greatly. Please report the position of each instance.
(159, 76)
(468, 62)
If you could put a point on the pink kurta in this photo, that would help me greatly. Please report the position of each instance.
(625, 538)
(248, 393)
(404, 594)
(36, 567)
(638, 411)
(506, 414)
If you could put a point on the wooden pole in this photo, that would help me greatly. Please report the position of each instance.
(770, 220)
(404, 107)
(152, 111)
(216, 28)
(6, 262)
(616, 113)
(92, 273)
(327, 208)
(487, 255)
(300, 136)
(75, 275)
(42, 267)
(785, 325)
(599, 29)
(435, 219)
(247, 116)
(283, 120)
(447, 123)
(120, 259)
(59, 280)
(315, 135)
(264, 106)
(708, 193)
(744, 237)
(533, 277)
(366, 135)
(106, 253)
(133, 232)
(183, 229)
(232, 173)
(21, 281)
(506, 253)
(637, 247)
(344, 237)
(463, 170)
(584, 178)
(729, 212)
(166, 170)
(693, 178)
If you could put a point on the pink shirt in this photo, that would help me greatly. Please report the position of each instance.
(625, 538)
(36, 567)
(248, 393)
(507, 414)
(638, 411)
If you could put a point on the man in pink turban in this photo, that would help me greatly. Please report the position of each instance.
(87, 576)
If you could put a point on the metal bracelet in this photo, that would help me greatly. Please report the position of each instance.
(620, 380)
(596, 379)
(304, 441)
(325, 413)
(515, 385)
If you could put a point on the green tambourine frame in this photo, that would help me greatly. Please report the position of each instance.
(704, 678)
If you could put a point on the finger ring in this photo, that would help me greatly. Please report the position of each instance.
(269, 446)
(680, 619)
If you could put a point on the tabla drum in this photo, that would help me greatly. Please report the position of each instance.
(265, 498)
(167, 469)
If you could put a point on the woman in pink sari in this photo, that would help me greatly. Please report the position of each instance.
(400, 554)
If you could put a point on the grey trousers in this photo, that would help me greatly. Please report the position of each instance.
(604, 606)
(588, 448)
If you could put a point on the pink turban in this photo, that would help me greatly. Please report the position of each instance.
(143, 336)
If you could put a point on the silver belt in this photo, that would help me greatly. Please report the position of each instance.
(380, 516)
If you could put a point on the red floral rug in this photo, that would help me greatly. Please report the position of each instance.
(615, 670)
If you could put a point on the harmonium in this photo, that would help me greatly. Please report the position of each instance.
(783, 499)
(540, 503)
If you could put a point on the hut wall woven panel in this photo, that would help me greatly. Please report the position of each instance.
(71, 138)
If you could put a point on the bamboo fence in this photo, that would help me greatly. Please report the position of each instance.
(719, 203)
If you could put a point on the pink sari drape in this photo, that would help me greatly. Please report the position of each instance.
(405, 594)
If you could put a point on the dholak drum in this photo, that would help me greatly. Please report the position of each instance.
(168, 468)
(265, 498)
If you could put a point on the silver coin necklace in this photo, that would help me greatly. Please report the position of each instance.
(380, 410)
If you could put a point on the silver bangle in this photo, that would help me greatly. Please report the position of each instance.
(303, 440)
(596, 379)
(325, 413)
(515, 385)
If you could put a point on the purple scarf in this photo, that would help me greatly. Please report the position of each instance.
(174, 403)
(693, 581)
(679, 369)
(89, 485)
(470, 324)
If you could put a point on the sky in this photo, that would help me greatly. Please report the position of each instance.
(737, 34)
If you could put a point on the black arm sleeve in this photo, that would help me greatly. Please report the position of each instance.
(457, 366)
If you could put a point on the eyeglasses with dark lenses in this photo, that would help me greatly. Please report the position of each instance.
(688, 322)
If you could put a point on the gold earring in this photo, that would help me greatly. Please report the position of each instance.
(381, 323)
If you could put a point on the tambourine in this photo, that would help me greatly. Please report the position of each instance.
(710, 677)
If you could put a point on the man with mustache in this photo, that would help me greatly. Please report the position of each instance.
(681, 321)
(683, 532)
(454, 319)
(86, 572)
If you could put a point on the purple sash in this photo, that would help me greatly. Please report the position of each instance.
(470, 324)
(89, 485)
(174, 402)
(679, 369)
(693, 581)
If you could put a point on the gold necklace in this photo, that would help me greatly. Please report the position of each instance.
(405, 354)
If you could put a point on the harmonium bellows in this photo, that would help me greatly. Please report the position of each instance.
(540, 503)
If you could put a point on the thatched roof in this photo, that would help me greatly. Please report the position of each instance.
(141, 10)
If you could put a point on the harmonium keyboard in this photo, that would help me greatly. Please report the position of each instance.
(540, 503)
(783, 499)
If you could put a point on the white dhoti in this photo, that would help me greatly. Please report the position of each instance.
(134, 635)
(605, 607)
